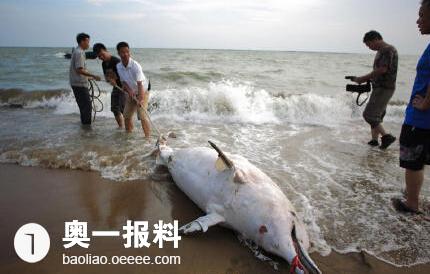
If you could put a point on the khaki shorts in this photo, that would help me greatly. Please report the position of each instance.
(376, 107)
(131, 107)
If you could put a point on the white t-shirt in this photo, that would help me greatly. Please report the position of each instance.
(132, 74)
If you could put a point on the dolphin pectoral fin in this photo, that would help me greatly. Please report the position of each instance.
(190, 227)
(202, 223)
(222, 157)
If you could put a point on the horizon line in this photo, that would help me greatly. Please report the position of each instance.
(220, 49)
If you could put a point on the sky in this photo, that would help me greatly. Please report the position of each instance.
(294, 25)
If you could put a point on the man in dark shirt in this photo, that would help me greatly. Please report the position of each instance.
(383, 79)
(118, 97)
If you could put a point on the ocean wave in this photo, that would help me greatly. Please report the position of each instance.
(18, 98)
(125, 166)
(237, 102)
(59, 54)
(223, 101)
(185, 76)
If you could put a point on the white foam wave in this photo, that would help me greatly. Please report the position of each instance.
(228, 101)
(239, 103)
(59, 54)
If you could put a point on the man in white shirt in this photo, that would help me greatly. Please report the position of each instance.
(137, 86)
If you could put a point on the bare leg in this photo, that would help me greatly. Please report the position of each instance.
(120, 120)
(129, 125)
(144, 119)
(381, 130)
(376, 131)
(146, 127)
(414, 181)
(375, 134)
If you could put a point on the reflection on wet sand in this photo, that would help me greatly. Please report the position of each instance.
(127, 202)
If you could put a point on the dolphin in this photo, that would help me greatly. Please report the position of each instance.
(236, 194)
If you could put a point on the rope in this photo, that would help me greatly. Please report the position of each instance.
(94, 88)
(95, 93)
(146, 112)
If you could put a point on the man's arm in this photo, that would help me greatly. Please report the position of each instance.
(374, 74)
(79, 64)
(127, 88)
(111, 77)
(84, 72)
(422, 103)
(140, 79)
(140, 92)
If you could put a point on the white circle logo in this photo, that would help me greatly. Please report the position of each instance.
(31, 242)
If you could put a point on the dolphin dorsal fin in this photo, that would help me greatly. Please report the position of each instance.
(223, 161)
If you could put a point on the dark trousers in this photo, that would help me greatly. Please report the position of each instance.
(82, 96)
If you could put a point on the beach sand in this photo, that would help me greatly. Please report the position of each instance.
(52, 197)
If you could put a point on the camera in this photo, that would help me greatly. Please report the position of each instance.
(358, 88)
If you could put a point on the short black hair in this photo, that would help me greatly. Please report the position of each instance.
(426, 3)
(121, 45)
(371, 36)
(98, 47)
(81, 36)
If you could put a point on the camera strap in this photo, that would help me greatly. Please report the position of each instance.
(362, 102)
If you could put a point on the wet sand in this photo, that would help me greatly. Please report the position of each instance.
(51, 197)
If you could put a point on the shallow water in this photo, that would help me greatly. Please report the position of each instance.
(286, 112)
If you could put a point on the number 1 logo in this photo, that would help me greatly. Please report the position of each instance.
(31, 242)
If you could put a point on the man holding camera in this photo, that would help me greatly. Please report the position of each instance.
(383, 79)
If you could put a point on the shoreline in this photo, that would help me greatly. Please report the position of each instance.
(51, 197)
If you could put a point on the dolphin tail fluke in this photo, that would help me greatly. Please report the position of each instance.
(221, 156)
(162, 151)
(162, 139)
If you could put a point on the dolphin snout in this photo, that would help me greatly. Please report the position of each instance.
(302, 261)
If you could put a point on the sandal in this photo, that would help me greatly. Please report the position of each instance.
(386, 141)
(373, 143)
(401, 206)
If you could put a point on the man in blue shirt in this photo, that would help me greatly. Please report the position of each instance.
(415, 135)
